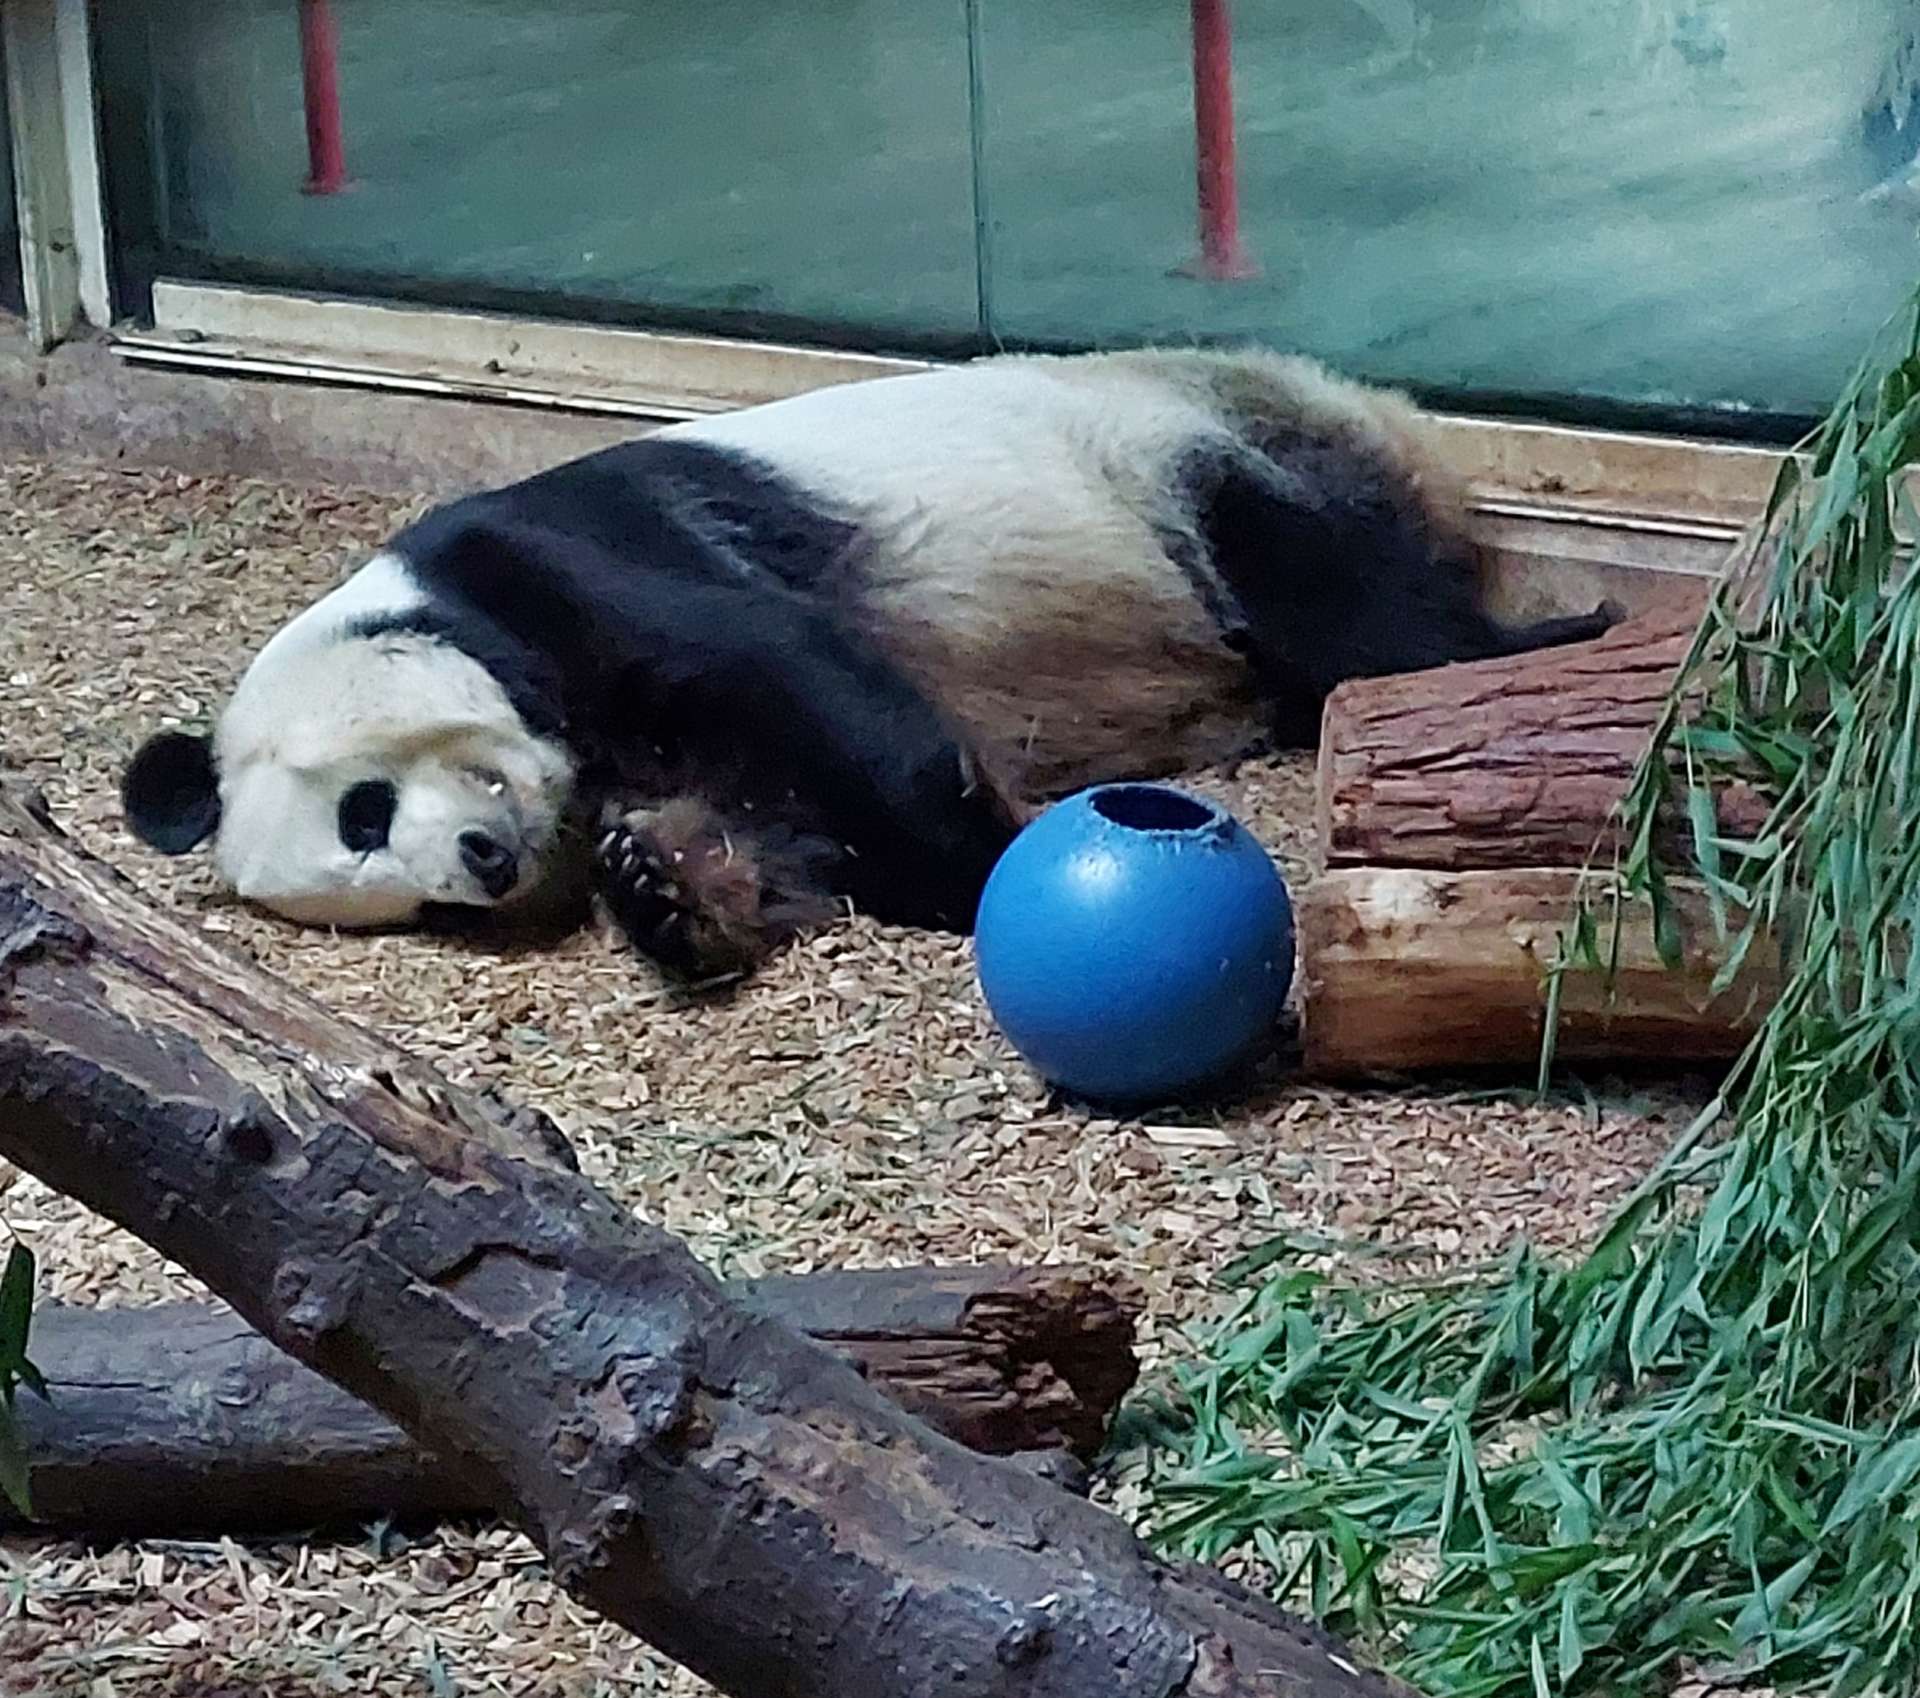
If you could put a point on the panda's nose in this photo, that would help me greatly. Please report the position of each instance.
(491, 862)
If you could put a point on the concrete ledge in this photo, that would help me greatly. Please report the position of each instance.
(1617, 527)
(83, 402)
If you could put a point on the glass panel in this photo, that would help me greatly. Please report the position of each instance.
(1670, 202)
(784, 167)
(12, 299)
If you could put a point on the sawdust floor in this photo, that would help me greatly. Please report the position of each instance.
(854, 1106)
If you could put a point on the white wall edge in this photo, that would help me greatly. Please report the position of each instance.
(54, 127)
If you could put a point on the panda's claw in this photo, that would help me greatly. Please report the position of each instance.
(652, 896)
(698, 894)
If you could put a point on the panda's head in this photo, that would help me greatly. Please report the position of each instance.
(364, 772)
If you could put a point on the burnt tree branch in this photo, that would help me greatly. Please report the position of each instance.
(691, 1466)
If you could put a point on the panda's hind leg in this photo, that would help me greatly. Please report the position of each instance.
(1336, 571)
(1552, 633)
(705, 896)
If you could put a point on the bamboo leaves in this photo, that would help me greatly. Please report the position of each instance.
(1701, 1443)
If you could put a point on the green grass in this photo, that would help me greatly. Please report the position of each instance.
(1701, 1443)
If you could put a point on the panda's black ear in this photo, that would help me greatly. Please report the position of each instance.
(170, 792)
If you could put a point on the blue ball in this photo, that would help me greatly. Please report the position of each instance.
(1134, 943)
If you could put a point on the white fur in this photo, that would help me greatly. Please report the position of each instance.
(1022, 509)
(315, 714)
(979, 474)
(383, 586)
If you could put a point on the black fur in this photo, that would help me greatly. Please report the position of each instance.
(170, 794)
(1334, 571)
(670, 611)
(704, 895)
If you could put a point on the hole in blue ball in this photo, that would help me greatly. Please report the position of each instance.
(1148, 807)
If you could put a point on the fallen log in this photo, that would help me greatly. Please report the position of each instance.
(1517, 762)
(179, 1417)
(691, 1467)
(1004, 1360)
(1406, 970)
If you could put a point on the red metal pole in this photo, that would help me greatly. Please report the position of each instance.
(320, 75)
(1221, 255)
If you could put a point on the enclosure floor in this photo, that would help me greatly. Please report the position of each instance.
(854, 1106)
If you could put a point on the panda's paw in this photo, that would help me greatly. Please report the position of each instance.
(633, 879)
(683, 889)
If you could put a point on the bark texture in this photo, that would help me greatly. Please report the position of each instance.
(179, 1417)
(1515, 762)
(1406, 970)
(1005, 1360)
(692, 1467)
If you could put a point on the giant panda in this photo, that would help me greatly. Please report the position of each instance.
(830, 652)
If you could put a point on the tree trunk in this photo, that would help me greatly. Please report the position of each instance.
(1406, 970)
(179, 1418)
(692, 1467)
(1515, 762)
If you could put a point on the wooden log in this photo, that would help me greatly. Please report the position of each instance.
(691, 1467)
(1406, 970)
(178, 1417)
(1004, 1360)
(1516, 762)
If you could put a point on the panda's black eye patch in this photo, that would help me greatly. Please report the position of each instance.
(366, 815)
